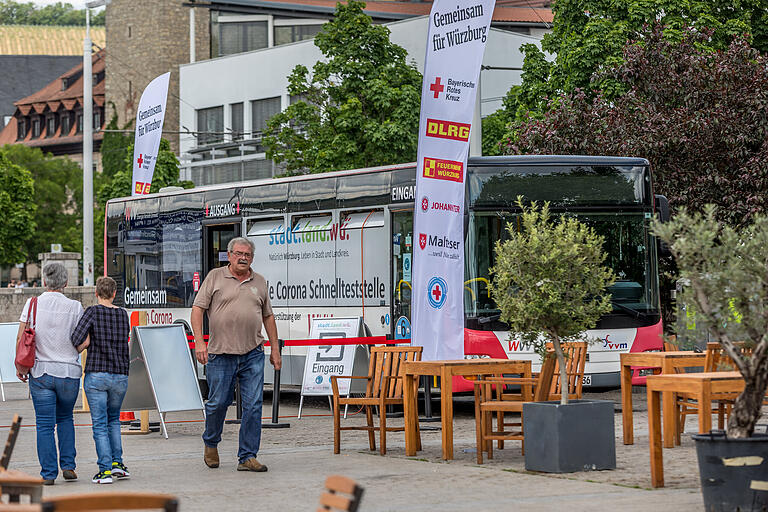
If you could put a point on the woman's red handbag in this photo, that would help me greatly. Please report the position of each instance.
(25, 352)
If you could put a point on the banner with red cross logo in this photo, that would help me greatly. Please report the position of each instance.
(149, 129)
(455, 45)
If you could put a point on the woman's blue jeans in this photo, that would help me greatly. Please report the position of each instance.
(105, 393)
(223, 370)
(54, 398)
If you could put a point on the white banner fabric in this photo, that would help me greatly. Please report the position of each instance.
(149, 129)
(455, 46)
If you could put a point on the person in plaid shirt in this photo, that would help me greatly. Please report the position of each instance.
(103, 330)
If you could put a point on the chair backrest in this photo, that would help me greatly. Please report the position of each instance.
(575, 359)
(544, 384)
(388, 362)
(111, 501)
(671, 345)
(716, 360)
(342, 493)
(11, 442)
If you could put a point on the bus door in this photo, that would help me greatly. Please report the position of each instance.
(402, 262)
(215, 240)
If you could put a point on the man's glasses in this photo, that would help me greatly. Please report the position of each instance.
(239, 254)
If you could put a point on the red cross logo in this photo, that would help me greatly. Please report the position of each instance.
(141, 160)
(437, 87)
(424, 203)
(436, 293)
(422, 241)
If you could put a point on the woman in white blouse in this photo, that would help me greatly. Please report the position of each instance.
(54, 380)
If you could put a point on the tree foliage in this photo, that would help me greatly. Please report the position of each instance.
(588, 36)
(359, 107)
(18, 206)
(58, 196)
(698, 116)
(60, 13)
(550, 280)
(725, 271)
(114, 146)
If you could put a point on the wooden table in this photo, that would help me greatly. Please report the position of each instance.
(446, 370)
(16, 484)
(669, 362)
(701, 386)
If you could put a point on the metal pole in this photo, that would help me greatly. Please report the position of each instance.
(192, 34)
(87, 155)
(276, 398)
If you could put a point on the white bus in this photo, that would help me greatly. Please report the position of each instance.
(340, 244)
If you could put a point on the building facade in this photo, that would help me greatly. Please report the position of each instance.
(52, 118)
(229, 99)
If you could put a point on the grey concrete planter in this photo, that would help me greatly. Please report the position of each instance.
(567, 438)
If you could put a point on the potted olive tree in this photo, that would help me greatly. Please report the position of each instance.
(725, 271)
(549, 281)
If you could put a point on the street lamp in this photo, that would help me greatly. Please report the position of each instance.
(88, 146)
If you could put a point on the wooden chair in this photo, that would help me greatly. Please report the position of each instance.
(111, 501)
(671, 345)
(342, 494)
(5, 459)
(384, 387)
(715, 360)
(575, 359)
(489, 399)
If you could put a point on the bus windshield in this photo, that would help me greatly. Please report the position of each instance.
(630, 250)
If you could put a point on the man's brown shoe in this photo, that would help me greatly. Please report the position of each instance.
(211, 457)
(252, 465)
(69, 474)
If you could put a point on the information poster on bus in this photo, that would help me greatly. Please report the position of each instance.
(455, 46)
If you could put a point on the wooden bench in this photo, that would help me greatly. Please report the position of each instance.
(111, 501)
(384, 387)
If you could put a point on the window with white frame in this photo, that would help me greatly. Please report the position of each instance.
(210, 125)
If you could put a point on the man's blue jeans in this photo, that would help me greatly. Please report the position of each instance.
(54, 398)
(105, 393)
(223, 370)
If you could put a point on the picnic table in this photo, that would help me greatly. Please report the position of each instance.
(446, 370)
(669, 363)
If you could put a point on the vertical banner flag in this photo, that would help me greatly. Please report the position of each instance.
(149, 128)
(455, 46)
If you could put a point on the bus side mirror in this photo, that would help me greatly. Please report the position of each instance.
(661, 207)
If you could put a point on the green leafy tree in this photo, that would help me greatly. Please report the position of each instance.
(60, 13)
(358, 108)
(550, 280)
(114, 146)
(58, 196)
(697, 116)
(17, 203)
(166, 174)
(726, 274)
(588, 36)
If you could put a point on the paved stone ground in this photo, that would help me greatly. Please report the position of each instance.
(300, 458)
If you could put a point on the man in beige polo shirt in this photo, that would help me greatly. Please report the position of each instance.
(237, 303)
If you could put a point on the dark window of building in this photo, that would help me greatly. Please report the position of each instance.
(50, 125)
(129, 31)
(261, 111)
(292, 33)
(242, 37)
(80, 123)
(237, 121)
(210, 125)
(36, 127)
(22, 128)
(97, 119)
(66, 125)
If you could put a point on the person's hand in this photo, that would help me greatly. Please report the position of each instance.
(201, 352)
(276, 359)
(22, 373)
